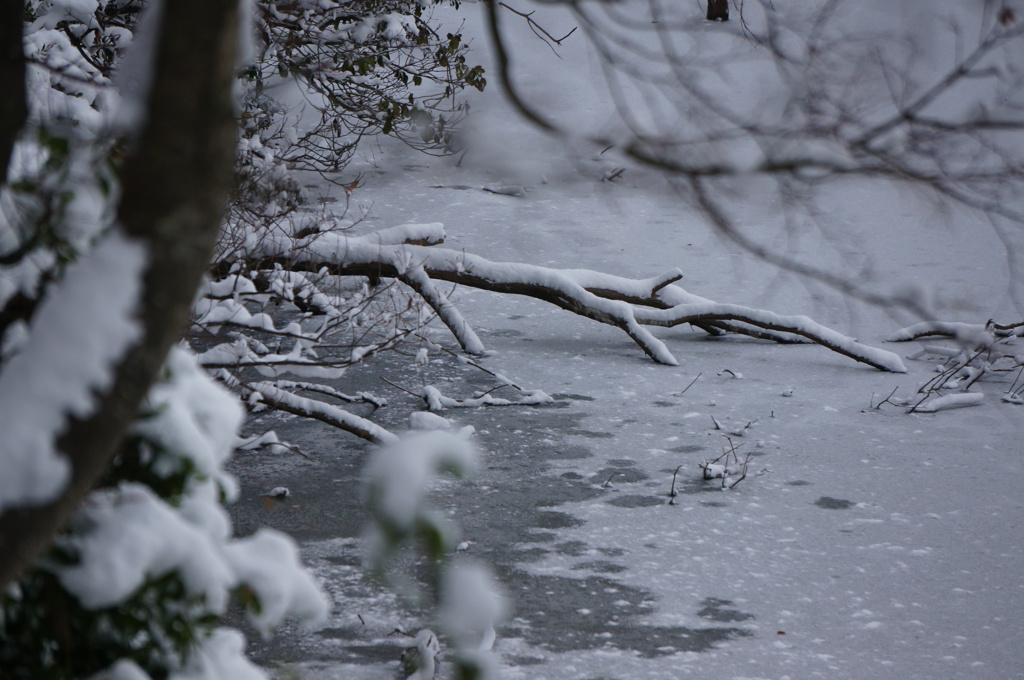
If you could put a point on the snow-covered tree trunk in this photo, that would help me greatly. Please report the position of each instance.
(175, 186)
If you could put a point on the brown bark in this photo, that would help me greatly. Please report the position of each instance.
(718, 10)
(175, 186)
(13, 106)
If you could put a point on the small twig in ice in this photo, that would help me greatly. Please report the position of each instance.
(734, 432)
(505, 381)
(731, 372)
(613, 175)
(732, 449)
(608, 482)
(726, 484)
(672, 492)
(1013, 388)
(679, 394)
(493, 389)
(875, 407)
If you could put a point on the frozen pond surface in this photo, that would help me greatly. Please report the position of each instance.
(872, 544)
(864, 543)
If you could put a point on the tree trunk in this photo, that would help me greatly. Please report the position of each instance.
(718, 10)
(13, 107)
(175, 188)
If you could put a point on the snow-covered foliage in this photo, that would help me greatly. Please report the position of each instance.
(149, 564)
(465, 594)
(323, 75)
(43, 385)
(327, 74)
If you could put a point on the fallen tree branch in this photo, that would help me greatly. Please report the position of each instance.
(628, 304)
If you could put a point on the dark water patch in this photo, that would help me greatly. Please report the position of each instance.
(830, 503)
(721, 611)
(539, 537)
(687, 448)
(573, 548)
(590, 434)
(505, 333)
(619, 475)
(622, 462)
(347, 560)
(570, 452)
(635, 501)
(798, 482)
(531, 554)
(330, 648)
(517, 660)
(556, 520)
(566, 614)
(694, 485)
(600, 566)
(714, 504)
(508, 512)
(663, 404)
(572, 397)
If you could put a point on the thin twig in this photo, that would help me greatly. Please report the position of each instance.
(539, 30)
(884, 401)
(399, 387)
(505, 381)
(690, 385)
(672, 492)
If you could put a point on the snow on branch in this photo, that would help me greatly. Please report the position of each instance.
(980, 351)
(436, 401)
(272, 395)
(625, 303)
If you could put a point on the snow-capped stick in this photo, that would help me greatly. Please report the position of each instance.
(797, 325)
(359, 398)
(950, 401)
(310, 408)
(417, 279)
(963, 360)
(633, 291)
(672, 493)
(945, 329)
(652, 346)
(438, 402)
